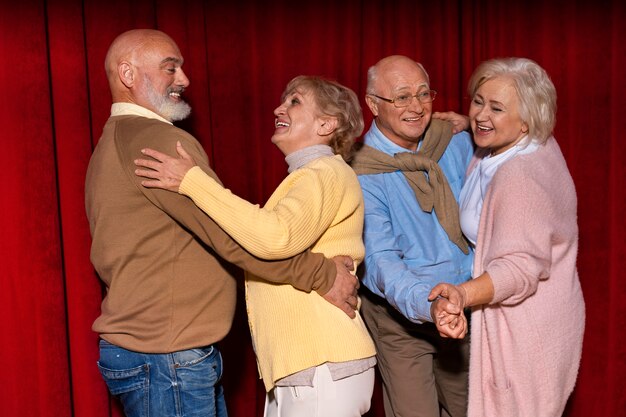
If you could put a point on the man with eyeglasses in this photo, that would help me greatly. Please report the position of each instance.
(411, 169)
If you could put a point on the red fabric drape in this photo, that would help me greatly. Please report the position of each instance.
(239, 55)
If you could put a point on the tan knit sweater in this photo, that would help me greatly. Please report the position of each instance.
(156, 252)
(318, 206)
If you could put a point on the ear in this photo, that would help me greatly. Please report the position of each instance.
(372, 104)
(125, 72)
(524, 128)
(327, 125)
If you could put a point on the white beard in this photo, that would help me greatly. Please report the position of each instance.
(170, 110)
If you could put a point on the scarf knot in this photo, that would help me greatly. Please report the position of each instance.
(424, 175)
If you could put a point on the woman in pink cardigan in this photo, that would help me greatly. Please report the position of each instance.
(518, 207)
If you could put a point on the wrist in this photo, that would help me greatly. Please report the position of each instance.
(463, 295)
(327, 274)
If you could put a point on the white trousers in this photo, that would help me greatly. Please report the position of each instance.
(347, 397)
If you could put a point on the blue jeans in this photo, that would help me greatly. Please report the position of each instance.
(178, 384)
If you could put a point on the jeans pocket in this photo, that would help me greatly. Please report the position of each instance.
(190, 357)
(124, 380)
(195, 365)
(198, 371)
(127, 376)
(131, 386)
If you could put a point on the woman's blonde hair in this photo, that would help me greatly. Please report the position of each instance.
(335, 100)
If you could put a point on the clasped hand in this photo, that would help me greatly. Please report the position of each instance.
(446, 310)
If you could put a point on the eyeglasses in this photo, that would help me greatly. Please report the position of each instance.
(403, 100)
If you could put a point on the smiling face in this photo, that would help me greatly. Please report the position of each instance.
(494, 116)
(405, 125)
(160, 79)
(299, 123)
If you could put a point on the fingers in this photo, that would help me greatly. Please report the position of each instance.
(448, 307)
(351, 312)
(147, 163)
(460, 330)
(459, 122)
(348, 262)
(453, 294)
(441, 306)
(353, 302)
(183, 153)
(156, 178)
(354, 288)
(143, 173)
(347, 304)
(155, 154)
(152, 184)
(343, 293)
(147, 173)
(445, 319)
(436, 292)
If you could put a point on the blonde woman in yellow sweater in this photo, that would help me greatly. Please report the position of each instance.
(313, 358)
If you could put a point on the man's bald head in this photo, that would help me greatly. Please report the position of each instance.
(130, 46)
(390, 64)
(143, 67)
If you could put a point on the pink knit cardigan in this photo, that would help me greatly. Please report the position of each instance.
(526, 344)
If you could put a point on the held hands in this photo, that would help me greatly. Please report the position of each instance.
(165, 171)
(343, 293)
(459, 121)
(448, 302)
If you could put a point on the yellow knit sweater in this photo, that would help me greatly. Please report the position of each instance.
(318, 206)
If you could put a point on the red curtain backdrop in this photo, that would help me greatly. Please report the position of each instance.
(239, 55)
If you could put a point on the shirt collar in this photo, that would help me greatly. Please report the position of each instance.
(131, 109)
(377, 140)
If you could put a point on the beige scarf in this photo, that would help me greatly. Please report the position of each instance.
(432, 190)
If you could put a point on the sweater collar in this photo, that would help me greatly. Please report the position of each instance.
(301, 157)
(131, 109)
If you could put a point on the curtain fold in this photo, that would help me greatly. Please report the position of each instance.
(239, 55)
(71, 132)
(614, 60)
(32, 304)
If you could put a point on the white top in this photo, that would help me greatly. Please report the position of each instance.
(476, 185)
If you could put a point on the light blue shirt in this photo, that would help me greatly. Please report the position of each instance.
(407, 252)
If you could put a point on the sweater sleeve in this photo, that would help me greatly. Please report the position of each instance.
(521, 215)
(305, 206)
(307, 271)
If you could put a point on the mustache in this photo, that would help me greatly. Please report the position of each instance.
(177, 90)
